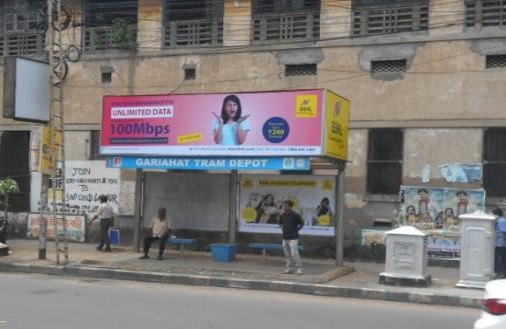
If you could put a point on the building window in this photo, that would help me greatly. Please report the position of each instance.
(190, 74)
(494, 162)
(109, 25)
(389, 66)
(106, 77)
(379, 16)
(95, 146)
(274, 21)
(384, 161)
(14, 163)
(21, 22)
(300, 69)
(495, 61)
(193, 23)
(484, 13)
(21, 16)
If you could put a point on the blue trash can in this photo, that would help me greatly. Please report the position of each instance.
(114, 235)
(223, 252)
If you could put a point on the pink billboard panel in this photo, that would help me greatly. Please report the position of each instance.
(269, 123)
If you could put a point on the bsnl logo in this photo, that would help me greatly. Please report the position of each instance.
(307, 106)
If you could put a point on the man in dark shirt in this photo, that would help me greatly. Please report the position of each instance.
(291, 223)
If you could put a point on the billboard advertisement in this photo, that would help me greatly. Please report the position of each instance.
(282, 123)
(261, 196)
(337, 113)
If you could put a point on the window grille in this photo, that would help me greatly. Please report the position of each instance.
(300, 69)
(261, 7)
(483, 13)
(389, 66)
(285, 20)
(384, 161)
(494, 162)
(190, 74)
(106, 77)
(377, 17)
(101, 13)
(193, 23)
(495, 61)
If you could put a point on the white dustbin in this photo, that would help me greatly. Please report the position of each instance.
(477, 250)
(406, 258)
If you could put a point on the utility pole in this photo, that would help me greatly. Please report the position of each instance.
(57, 76)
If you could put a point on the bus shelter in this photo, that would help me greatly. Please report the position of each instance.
(284, 144)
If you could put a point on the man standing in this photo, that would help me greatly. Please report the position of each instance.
(291, 223)
(105, 214)
(160, 228)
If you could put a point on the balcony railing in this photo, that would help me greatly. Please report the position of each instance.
(391, 19)
(22, 44)
(201, 32)
(485, 13)
(275, 28)
(109, 38)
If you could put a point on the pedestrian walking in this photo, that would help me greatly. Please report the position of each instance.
(500, 243)
(160, 228)
(291, 223)
(106, 215)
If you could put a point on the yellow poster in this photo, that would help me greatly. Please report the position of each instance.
(46, 154)
(337, 123)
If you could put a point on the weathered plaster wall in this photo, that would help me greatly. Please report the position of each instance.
(434, 147)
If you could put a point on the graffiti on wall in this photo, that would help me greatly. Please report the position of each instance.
(84, 182)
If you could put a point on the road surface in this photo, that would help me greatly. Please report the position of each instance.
(51, 302)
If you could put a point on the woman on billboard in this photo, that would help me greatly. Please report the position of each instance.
(231, 128)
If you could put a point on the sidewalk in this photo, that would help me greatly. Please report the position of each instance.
(357, 280)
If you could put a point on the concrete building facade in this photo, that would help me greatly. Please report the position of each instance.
(426, 81)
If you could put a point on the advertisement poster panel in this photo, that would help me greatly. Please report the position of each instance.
(337, 111)
(46, 153)
(75, 226)
(435, 211)
(261, 196)
(244, 124)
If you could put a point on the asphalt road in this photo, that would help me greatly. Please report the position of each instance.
(39, 301)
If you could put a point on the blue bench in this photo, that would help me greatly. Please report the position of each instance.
(182, 243)
(268, 246)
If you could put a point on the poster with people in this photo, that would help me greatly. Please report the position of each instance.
(435, 211)
(261, 197)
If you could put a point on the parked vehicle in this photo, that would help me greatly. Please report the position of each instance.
(493, 315)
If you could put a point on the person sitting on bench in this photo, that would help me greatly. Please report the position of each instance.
(160, 228)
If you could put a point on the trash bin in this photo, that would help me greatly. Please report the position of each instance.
(114, 236)
(223, 252)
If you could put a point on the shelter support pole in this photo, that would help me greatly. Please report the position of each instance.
(139, 188)
(339, 232)
(233, 191)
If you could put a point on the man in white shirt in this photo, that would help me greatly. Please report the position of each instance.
(105, 214)
(160, 228)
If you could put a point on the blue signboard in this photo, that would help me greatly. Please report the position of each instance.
(214, 163)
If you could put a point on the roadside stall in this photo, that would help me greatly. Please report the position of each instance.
(214, 159)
